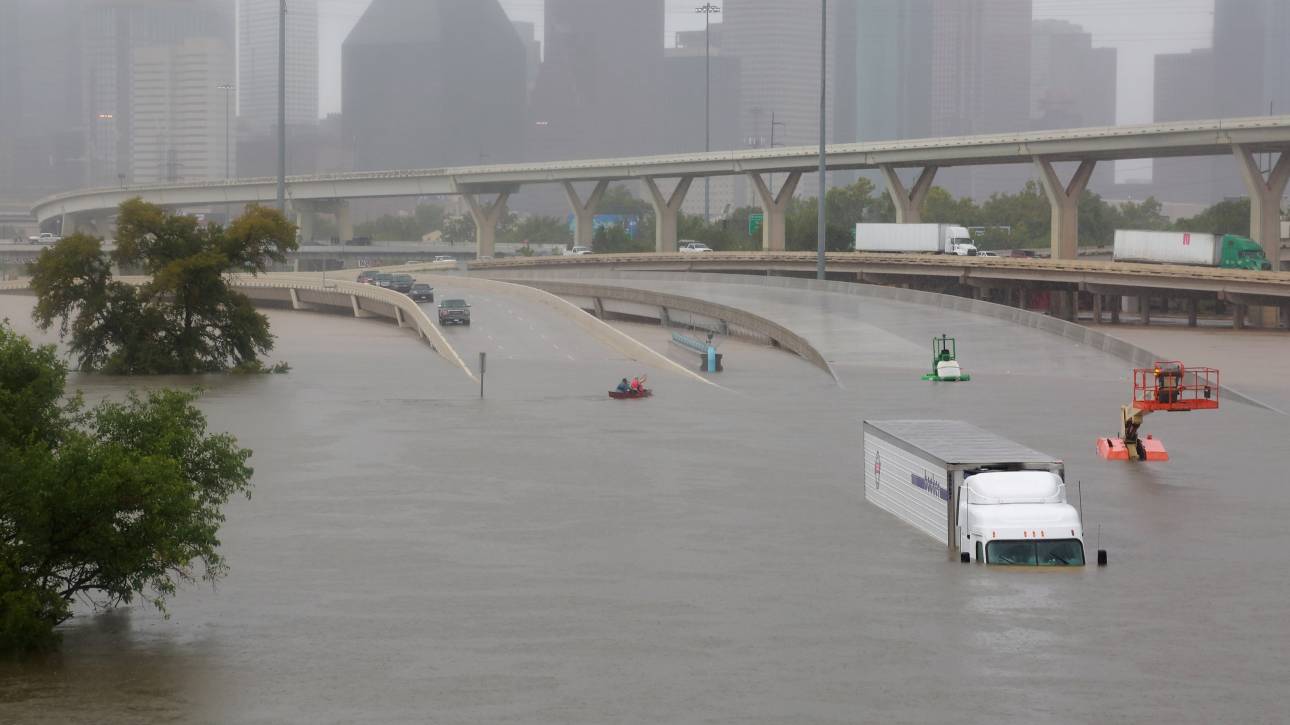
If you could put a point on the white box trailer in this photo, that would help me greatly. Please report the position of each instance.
(1132, 245)
(925, 238)
(986, 498)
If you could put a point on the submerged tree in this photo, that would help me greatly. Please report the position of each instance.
(101, 505)
(186, 318)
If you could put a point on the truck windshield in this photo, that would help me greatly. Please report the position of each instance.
(1036, 552)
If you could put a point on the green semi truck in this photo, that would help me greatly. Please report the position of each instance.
(1206, 250)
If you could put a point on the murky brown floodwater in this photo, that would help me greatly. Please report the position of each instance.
(412, 554)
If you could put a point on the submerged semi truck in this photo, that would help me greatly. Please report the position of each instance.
(986, 498)
(925, 238)
(1205, 250)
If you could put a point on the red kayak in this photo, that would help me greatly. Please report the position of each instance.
(645, 393)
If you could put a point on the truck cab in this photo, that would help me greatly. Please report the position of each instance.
(1018, 518)
(959, 241)
(1242, 253)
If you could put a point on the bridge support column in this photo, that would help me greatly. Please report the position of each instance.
(1144, 309)
(584, 213)
(1265, 200)
(1064, 199)
(1097, 308)
(358, 309)
(306, 220)
(344, 221)
(908, 202)
(667, 210)
(1193, 311)
(486, 218)
(773, 207)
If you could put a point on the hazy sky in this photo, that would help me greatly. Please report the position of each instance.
(1138, 28)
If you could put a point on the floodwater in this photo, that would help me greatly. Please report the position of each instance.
(414, 554)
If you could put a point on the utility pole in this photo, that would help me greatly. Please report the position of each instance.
(707, 9)
(819, 232)
(282, 106)
(227, 88)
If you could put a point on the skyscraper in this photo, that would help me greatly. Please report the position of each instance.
(600, 88)
(177, 116)
(433, 83)
(1072, 84)
(980, 66)
(114, 33)
(777, 45)
(257, 87)
(892, 68)
(41, 115)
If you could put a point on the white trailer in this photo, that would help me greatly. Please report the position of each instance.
(986, 498)
(925, 238)
(1132, 245)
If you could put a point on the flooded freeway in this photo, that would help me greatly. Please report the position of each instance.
(546, 555)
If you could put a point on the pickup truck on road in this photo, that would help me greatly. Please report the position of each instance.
(454, 312)
(44, 238)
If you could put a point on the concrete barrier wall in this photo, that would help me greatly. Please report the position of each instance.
(647, 300)
(1136, 356)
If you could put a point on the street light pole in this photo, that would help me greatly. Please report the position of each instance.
(707, 9)
(227, 88)
(282, 106)
(770, 177)
(819, 232)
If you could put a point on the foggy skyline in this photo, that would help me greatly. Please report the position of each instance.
(1178, 26)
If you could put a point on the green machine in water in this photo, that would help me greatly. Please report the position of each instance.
(945, 362)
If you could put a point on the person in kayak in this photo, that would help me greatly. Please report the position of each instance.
(624, 386)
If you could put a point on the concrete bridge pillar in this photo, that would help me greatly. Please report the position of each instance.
(773, 207)
(584, 213)
(1265, 200)
(908, 202)
(1064, 199)
(306, 220)
(486, 217)
(344, 220)
(667, 210)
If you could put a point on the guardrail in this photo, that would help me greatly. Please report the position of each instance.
(710, 359)
(735, 319)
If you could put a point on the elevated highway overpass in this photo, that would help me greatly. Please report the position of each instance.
(1242, 138)
(1001, 279)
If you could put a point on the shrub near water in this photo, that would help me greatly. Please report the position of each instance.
(101, 505)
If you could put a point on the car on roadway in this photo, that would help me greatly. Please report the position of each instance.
(578, 251)
(1024, 253)
(45, 238)
(445, 258)
(421, 292)
(695, 248)
(401, 282)
(382, 279)
(984, 253)
(365, 277)
(454, 312)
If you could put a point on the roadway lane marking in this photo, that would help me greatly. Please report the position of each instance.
(571, 358)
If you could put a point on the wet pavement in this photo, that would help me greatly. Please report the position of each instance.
(546, 555)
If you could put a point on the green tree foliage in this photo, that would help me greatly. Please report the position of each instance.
(425, 219)
(536, 229)
(186, 318)
(103, 505)
(459, 230)
(1226, 217)
(1147, 215)
(614, 239)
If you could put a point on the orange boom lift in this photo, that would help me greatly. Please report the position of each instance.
(1166, 386)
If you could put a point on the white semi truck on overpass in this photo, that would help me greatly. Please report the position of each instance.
(986, 498)
(925, 238)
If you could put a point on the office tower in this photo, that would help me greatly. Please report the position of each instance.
(433, 83)
(177, 118)
(188, 38)
(599, 92)
(257, 86)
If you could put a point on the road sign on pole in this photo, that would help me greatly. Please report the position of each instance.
(483, 365)
(754, 223)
